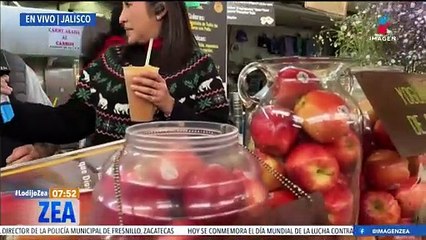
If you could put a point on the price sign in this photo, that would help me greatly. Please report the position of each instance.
(251, 13)
(208, 23)
(65, 38)
(399, 100)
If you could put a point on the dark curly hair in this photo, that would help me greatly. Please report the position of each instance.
(116, 29)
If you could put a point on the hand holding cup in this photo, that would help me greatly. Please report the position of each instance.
(150, 86)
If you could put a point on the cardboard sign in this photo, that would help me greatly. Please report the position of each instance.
(335, 8)
(399, 100)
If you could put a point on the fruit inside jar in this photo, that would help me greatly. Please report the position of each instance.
(309, 130)
(141, 205)
(180, 182)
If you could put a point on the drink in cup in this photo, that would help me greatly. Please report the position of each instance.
(141, 110)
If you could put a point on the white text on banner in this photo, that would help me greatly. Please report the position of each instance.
(179, 230)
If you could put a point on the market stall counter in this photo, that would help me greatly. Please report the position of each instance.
(83, 169)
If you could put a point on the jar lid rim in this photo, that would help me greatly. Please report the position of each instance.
(135, 130)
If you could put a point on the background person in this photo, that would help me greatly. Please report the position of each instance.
(116, 36)
(25, 86)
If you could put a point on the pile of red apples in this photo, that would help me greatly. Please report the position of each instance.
(391, 188)
(306, 133)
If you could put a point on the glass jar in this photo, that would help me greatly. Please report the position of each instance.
(179, 172)
(305, 120)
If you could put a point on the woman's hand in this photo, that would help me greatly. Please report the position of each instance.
(5, 89)
(153, 88)
(30, 152)
(24, 154)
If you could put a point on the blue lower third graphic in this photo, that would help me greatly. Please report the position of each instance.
(59, 211)
(57, 19)
(390, 230)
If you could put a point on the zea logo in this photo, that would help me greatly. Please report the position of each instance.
(383, 32)
(59, 211)
(62, 207)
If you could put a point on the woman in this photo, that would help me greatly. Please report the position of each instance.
(187, 86)
(25, 86)
(114, 37)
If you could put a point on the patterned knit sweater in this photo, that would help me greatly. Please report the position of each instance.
(99, 105)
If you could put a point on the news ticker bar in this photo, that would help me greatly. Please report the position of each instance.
(394, 230)
(51, 193)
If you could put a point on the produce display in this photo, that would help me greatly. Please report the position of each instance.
(184, 177)
(308, 133)
(392, 191)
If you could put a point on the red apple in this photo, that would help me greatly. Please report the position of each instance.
(256, 195)
(273, 130)
(291, 84)
(413, 165)
(411, 197)
(347, 150)
(362, 182)
(379, 208)
(177, 166)
(168, 170)
(325, 115)
(255, 192)
(339, 203)
(368, 143)
(155, 201)
(279, 198)
(406, 221)
(268, 178)
(416, 164)
(312, 167)
(343, 180)
(422, 159)
(382, 137)
(386, 170)
(213, 190)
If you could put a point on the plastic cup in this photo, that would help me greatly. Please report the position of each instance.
(140, 109)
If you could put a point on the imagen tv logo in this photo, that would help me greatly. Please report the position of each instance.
(383, 33)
